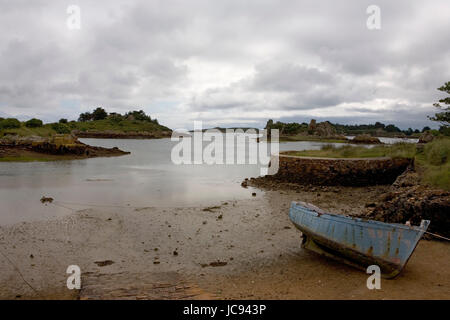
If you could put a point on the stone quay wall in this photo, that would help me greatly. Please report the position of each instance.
(345, 172)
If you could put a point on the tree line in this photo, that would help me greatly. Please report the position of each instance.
(101, 114)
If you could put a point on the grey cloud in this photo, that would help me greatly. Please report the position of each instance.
(223, 60)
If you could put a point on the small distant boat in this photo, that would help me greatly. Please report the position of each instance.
(356, 241)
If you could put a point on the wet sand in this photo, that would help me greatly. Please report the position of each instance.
(245, 249)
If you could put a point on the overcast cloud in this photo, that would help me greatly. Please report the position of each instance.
(225, 62)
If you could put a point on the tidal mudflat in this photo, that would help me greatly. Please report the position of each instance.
(234, 249)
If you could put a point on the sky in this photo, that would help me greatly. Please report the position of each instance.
(225, 62)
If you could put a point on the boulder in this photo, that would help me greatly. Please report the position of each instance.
(365, 139)
(325, 129)
(409, 178)
(426, 137)
(312, 126)
(414, 204)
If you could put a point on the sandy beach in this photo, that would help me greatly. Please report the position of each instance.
(241, 249)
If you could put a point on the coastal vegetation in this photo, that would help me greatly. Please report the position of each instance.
(294, 131)
(443, 115)
(398, 150)
(97, 121)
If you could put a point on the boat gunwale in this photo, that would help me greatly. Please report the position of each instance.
(361, 222)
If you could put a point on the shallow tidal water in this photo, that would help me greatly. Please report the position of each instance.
(145, 178)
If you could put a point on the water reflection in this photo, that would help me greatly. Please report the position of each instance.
(146, 177)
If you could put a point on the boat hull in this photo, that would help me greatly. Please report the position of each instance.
(356, 241)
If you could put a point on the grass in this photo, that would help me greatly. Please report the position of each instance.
(44, 131)
(48, 130)
(398, 150)
(438, 176)
(118, 126)
(434, 161)
(285, 138)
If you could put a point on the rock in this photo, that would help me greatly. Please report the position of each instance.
(365, 139)
(46, 199)
(254, 194)
(426, 137)
(325, 129)
(408, 178)
(104, 263)
(218, 263)
(312, 126)
(370, 205)
(414, 204)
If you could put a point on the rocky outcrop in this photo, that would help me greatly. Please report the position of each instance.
(346, 172)
(324, 130)
(122, 135)
(60, 144)
(426, 137)
(365, 139)
(414, 204)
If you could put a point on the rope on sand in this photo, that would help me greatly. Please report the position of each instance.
(18, 271)
(437, 236)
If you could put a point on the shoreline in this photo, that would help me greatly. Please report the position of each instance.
(63, 147)
(241, 249)
(123, 135)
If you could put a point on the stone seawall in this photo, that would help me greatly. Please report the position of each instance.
(346, 172)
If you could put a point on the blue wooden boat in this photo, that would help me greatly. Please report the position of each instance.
(357, 242)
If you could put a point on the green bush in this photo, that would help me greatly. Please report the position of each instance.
(60, 128)
(115, 118)
(438, 151)
(9, 123)
(33, 123)
(434, 132)
(445, 130)
(63, 120)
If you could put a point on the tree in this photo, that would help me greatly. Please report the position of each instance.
(426, 129)
(33, 123)
(379, 125)
(138, 115)
(60, 128)
(99, 114)
(9, 123)
(115, 117)
(444, 116)
(86, 116)
(392, 128)
(62, 120)
(408, 132)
